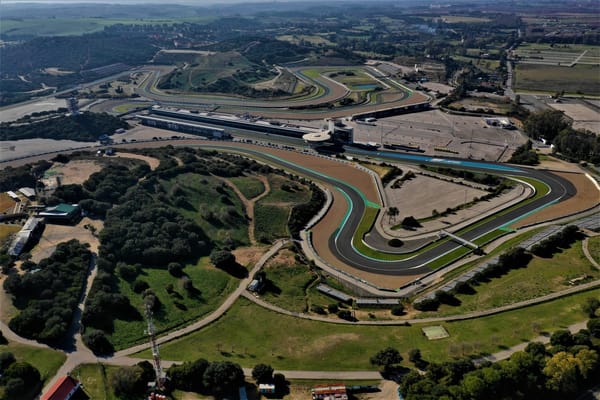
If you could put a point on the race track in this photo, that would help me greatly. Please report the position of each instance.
(341, 242)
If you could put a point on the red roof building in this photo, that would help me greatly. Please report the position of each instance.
(64, 389)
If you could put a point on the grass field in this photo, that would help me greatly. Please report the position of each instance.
(6, 203)
(248, 334)
(594, 247)
(541, 276)
(212, 286)
(270, 222)
(249, 186)
(208, 207)
(289, 280)
(271, 213)
(96, 380)
(549, 78)
(354, 79)
(6, 230)
(45, 360)
(476, 103)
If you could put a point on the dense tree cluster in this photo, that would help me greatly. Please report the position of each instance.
(525, 155)
(49, 297)
(102, 189)
(85, 127)
(563, 370)
(142, 230)
(19, 379)
(218, 378)
(132, 382)
(554, 127)
(12, 178)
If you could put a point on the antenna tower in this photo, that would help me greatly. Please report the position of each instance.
(160, 376)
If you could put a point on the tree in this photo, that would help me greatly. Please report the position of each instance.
(262, 373)
(414, 355)
(562, 338)
(410, 222)
(189, 375)
(563, 373)
(222, 258)
(6, 359)
(590, 306)
(398, 310)
(128, 382)
(175, 269)
(386, 358)
(97, 341)
(392, 213)
(223, 377)
(593, 326)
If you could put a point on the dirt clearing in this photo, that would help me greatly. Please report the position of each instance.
(74, 172)
(55, 234)
(152, 162)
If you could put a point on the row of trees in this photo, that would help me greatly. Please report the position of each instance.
(563, 370)
(552, 244)
(512, 259)
(48, 298)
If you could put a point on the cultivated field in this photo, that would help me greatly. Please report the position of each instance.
(583, 116)
(550, 78)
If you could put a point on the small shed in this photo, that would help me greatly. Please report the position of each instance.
(28, 192)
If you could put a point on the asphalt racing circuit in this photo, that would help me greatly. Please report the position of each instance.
(341, 243)
(312, 106)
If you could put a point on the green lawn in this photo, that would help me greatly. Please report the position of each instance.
(541, 276)
(594, 247)
(248, 334)
(96, 380)
(249, 186)
(270, 222)
(271, 213)
(289, 280)
(45, 360)
(212, 285)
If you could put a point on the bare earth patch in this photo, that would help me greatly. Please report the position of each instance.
(248, 256)
(152, 162)
(55, 234)
(418, 197)
(75, 172)
(587, 196)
